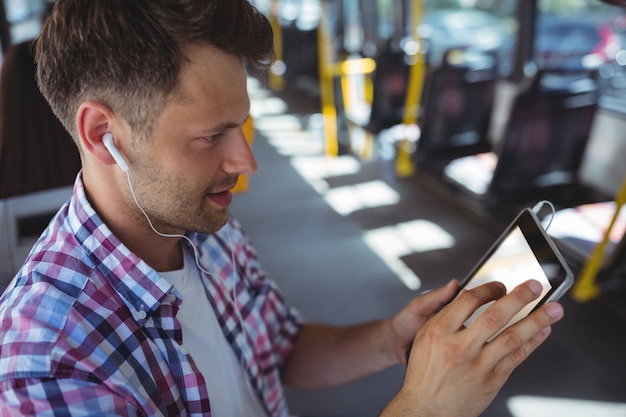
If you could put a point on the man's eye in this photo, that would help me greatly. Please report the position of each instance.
(214, 138)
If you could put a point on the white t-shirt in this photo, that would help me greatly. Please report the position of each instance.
(230, 392)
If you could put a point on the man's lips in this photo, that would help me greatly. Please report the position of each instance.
(222, 199)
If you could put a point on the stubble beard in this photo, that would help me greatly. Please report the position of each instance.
(173, 208)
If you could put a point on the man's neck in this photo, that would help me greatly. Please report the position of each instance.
(133, 230)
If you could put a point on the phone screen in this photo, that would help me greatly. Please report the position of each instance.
(521, 253)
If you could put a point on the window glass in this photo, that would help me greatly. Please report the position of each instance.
(481, 25)
(24, 18)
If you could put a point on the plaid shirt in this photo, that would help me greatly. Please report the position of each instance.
(88, 328)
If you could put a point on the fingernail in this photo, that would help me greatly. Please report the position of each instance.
(555, 310)
(545, 331)
(535, 287)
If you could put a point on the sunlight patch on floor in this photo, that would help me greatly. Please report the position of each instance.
(294, 143)
(392, 243)
(350, 198)
(315, 167)
(533, 406)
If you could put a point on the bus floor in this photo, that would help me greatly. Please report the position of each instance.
(349, 241)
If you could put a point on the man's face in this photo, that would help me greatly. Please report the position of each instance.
(183, 173)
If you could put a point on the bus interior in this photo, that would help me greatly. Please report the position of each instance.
(485, 107)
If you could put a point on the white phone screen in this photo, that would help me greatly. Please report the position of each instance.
(512, 263)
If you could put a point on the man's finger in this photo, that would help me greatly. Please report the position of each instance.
(459, 310)
(500, 313)
(511, 347)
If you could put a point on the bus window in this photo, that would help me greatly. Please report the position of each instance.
(24, 18)
(486, 26)
(577, 36)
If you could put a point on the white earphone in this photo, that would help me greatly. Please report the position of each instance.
(107, 139)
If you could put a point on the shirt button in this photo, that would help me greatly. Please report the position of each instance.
(171, 297)
(183, 350)
(141, 314)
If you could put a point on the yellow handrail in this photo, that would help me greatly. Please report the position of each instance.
(586, 287)
(327, 94)
(354, 66)
(404, 165)
(248, 132)
(328, 71)
(276, 80)
(357, 91)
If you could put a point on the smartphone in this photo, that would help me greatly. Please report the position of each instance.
(523, 251)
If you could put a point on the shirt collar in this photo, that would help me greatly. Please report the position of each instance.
(142, 288)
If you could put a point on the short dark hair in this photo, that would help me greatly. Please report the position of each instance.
(128, 54)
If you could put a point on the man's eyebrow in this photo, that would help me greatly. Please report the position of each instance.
(230, 125)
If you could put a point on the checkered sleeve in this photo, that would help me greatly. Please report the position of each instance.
(283, 321)
(61, 397)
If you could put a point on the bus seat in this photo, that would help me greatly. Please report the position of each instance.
(36, 151)
(542, 148)
(579, 229)
(390, 80)
(600, 169)
(300, 57)
(22, 219)
(457, 106)
(445, 129)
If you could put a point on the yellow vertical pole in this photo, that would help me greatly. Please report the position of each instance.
(363, 68)
(586, 288)
(248, 132)
(327, 95)
(346, 85)
(276, 81)
(404, 164)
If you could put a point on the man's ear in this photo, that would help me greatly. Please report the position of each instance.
(93, 120)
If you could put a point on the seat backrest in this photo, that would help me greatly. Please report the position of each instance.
(602, 168)
(300, 57)
(546, 135)
(457, 105)
(390, 83)
(580, 229)
(36, 152)
(22, 220)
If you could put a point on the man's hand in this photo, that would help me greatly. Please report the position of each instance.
(452, 370)
(410, 319)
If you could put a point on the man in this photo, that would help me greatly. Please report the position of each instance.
(144, 298)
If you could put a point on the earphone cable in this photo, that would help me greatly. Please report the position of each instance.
(540, 205)
(231, 293)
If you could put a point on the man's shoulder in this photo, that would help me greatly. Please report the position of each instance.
(33, 314)
(45, 320)
(61, 266)
(40, 301)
